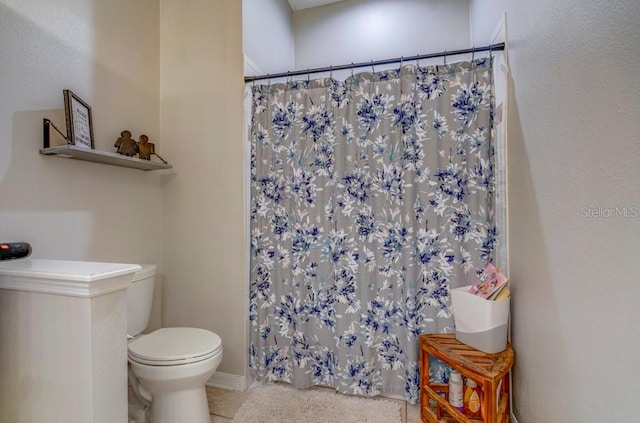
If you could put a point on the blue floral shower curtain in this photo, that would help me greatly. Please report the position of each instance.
(370, 199)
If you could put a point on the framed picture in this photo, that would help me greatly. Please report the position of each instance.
(79, 125)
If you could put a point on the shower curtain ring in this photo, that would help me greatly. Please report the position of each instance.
(351, 68)
(473, 64)
(401, 60)
(445, 57)
(490, 51)
(308, 75)
(418, 60)
(373, 70)
(330, 71)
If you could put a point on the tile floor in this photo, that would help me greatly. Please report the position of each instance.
(223, 405)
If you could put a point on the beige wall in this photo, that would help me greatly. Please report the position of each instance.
(202, 202)
(573, 122)
(108, 54)
(267, 35)
(364, 30)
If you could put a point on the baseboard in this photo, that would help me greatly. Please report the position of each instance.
(227, 381)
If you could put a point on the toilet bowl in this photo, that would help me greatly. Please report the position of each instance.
(170, 366)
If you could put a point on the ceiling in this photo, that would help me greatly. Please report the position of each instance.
(306, 4)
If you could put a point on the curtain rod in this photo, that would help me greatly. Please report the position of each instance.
(492, 47)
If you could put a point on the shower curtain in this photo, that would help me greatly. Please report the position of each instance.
(371, 198)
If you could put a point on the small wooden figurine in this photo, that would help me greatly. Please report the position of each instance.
(126, 145)
(146, 148)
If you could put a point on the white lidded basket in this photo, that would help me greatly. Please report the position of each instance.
(481, 324)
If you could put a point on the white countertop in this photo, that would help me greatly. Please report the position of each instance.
(65, 277)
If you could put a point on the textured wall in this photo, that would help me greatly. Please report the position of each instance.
(202, 203)
(108, 54)
(573, 124)
(267, 35)
(364, 30)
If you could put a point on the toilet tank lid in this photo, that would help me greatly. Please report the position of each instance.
(148, 270)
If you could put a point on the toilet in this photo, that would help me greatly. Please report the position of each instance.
(169, 367)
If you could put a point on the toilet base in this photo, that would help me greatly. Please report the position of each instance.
(177, 392)
(181, 406)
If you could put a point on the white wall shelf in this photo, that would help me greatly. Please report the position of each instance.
(97, 156)
(90, 155)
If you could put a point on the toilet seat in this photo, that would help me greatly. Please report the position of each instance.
(174, 346)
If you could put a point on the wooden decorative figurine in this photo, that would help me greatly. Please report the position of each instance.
(146, 148)
(126, 146)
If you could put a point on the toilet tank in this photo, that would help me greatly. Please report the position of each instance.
(140, 299)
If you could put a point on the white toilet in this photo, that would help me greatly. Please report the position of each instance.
(168, 367)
